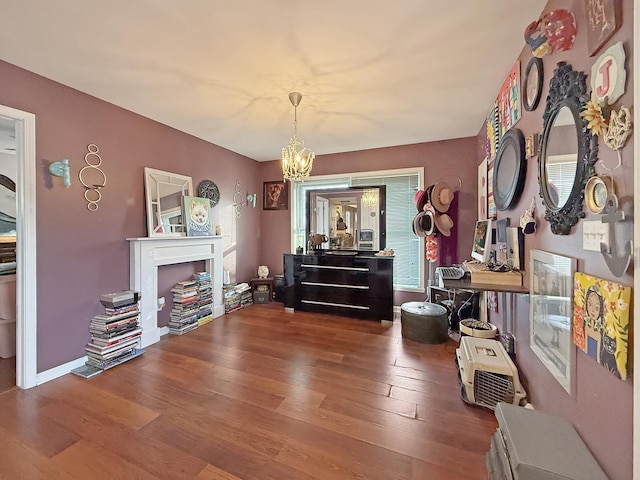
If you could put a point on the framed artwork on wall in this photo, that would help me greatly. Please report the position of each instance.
(275, 196)
(492, 211)
(603, 19)
(493, 131)
(482, 190)
(551, 290)
(601, 321)
(509, 109)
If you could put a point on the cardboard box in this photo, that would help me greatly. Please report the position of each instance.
(496, 278)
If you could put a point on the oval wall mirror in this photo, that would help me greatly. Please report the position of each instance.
(568, 150)
(510, 170)
(532, 84)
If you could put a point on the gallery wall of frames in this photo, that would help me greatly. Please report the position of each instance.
(558, 162)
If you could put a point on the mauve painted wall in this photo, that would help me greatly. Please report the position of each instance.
(601, 407)
(81, 254)
(446, 159)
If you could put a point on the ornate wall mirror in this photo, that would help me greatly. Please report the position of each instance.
(510, 170)
(351, 218)
(164, 192)
(568, 150)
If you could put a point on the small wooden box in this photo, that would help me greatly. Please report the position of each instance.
(261, 297)
(496, 278)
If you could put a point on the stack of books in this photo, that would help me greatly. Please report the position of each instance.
(236, 296)
(246, 295)
(184, 314)
(205, 297)
(115, 335)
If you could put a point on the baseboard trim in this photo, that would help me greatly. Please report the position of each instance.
(60, 370)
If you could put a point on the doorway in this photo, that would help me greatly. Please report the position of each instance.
(26, 295)
(8, 175)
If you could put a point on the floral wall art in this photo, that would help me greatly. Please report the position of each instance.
(601, 321)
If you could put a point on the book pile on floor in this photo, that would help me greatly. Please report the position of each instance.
(184, 314)
(236, 296)
(115, 335)
(205, 297)
(246, 295)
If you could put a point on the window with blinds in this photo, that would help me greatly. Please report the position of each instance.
(561, 173)
(401, 186)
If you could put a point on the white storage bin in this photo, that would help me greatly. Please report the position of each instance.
(7, 338)
(8, 297)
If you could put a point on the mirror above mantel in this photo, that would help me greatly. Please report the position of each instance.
(164, 192)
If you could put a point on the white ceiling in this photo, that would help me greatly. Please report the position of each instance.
(373, 73)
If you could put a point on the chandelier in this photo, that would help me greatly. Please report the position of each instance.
(369, 197)
(297, 160)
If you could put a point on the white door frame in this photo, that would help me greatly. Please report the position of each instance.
(26, 295)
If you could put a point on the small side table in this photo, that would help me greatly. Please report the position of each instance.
(263, 285)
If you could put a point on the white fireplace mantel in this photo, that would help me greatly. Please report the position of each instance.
(148, 253)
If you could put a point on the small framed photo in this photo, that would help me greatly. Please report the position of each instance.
(551, 304)
(275, 196)
(531, 145)
(482, 190)
(492, 211)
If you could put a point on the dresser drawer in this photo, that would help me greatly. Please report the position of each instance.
(334, 276)
(372, 310)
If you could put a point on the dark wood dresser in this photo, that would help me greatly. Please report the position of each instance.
(352, 285)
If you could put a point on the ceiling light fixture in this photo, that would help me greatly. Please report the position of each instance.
(297, 160)
(369, 197)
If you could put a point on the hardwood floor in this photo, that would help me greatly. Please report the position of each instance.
(7, 373)
(256, 394)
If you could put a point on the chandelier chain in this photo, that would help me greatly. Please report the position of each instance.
(297, 160)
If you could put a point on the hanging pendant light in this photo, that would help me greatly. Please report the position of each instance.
(369, 197)
(297, 160)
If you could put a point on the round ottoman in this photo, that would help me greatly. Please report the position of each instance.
(424, 322)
